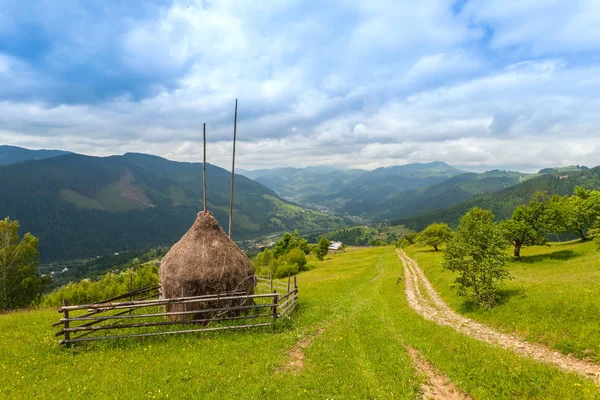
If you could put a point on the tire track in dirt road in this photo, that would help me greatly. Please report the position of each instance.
(436, 385)
(423, 298)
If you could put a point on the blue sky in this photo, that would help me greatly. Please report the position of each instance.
(478, 84)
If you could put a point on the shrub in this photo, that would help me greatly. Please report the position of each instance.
(284, 270)
(296, 256)
(111, 285)
(378, 242)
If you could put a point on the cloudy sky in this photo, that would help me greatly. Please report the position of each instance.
(477, 84)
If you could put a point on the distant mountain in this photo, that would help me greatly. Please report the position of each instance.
(299, 183)
(571, 168)
(332, 189)
(81, 206)
(446, 193)
(417, 170)
(503, 202)
(13, 154)
(365, 195)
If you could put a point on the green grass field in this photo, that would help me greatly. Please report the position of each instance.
(553, 298)
(399, 229)
(355, 299)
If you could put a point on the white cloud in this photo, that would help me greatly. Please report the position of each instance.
(358, 84)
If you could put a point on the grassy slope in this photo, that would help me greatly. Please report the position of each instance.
(357, 296)
(554, 297)
(399, 229)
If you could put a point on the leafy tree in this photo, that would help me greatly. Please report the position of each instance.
(303, 245)
(285, 245)
(378, 242)
(411, 237)
(476, 252)
(404, 243)
(528, 226)
(435, 235)
(263, 258)
(577, 212)
(595, 231)
(297, 257)
(20, 282)
(287, 257)
(322, 248)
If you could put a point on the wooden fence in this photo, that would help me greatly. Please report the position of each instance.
(144, 313)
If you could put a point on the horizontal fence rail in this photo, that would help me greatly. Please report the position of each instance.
(145, 313)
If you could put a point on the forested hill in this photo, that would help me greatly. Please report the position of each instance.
(332, 189)
(13, 154)
(443, 194)
(503, 202)
(81, 206)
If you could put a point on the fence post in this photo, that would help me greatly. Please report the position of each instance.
(66, 324)
(182, 307)
(275, 299)
(295, 293)
(131, 288)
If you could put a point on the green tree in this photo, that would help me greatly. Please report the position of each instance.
(595, 231)
(476, 252)
(322, 248)
(285, 244)
(296, 256)
(577, 212)
(435, 235)
(303, 245)
(411, 237)
(20, 282)
(528, 226)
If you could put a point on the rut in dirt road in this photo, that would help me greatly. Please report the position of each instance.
(436, 385)
(423, 298)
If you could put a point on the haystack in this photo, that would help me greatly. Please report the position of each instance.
(205, 261)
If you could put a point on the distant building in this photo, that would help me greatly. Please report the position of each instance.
(334, 246)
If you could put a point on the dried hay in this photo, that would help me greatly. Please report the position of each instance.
(205, 261)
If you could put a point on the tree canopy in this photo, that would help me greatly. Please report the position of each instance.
(577, 212)
(476, 252)
(529, 225)
(287, 258)
(322, 248)
(20, 282)
(435, 235)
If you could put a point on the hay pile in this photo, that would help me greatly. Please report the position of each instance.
(205, 261)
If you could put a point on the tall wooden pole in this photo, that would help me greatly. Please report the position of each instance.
(233, 169)
(204, 167)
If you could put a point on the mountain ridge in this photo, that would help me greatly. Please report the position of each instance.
(82, 206)
(504, 201)
(14, 154)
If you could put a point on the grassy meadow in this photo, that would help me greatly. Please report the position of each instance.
(553, 298)
(353, 309)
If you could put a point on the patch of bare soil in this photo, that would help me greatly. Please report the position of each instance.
(423, 298)
(436, 386)
(130, 190)
(296, 355)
